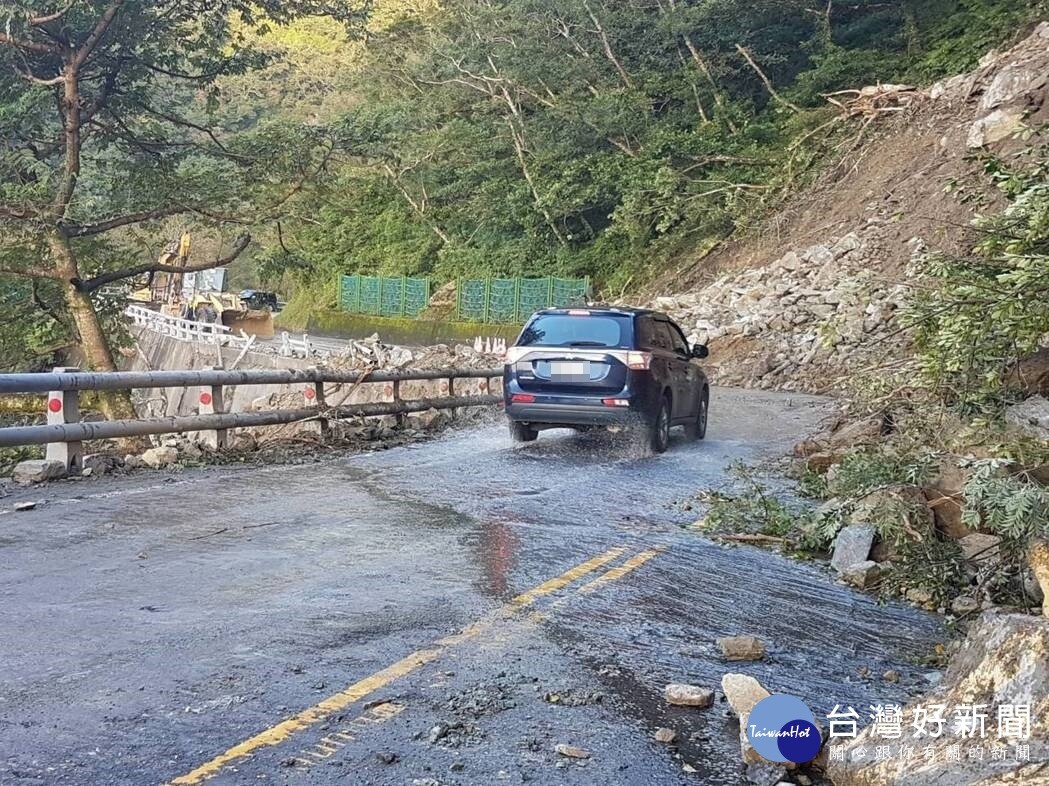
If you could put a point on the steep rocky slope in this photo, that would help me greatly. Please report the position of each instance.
(815, 295)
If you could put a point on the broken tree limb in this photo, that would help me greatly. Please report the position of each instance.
(751, 538)
(873, 100)
(765, 80)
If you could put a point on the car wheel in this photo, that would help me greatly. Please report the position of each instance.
(697, 429)
(521, 432)
(659, 428)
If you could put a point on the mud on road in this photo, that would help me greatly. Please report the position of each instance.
(441, 613)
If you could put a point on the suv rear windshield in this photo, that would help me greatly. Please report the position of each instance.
(557, 330)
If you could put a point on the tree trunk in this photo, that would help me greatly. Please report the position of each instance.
(765, 80)
(93, 342)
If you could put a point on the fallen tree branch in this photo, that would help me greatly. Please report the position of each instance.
(751, 538)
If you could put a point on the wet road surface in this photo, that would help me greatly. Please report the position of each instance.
(442, 613)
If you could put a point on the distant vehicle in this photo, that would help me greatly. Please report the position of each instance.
(259, 300)
(588, 367)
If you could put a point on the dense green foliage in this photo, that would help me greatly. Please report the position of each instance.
(595, 138)
(989, 309)
(584, 137)
(111, 122)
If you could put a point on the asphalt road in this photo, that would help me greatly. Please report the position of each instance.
(442, 613)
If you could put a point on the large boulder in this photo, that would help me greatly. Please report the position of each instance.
(863, 575)
(852, 546)
(1031, 375)
(33, 471)
(980, 548)
(430, 419)
(743, 694)
(903, 501)
(900, 513)
(741, 647)
(681, 695)
(847, 435)
(1004, 662)
(995, 127)
(99, 463)
(163, 456)
(1031, 416)
(1015, 81)
(946, 497)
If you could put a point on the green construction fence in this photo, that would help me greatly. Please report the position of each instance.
(513, 300)
(383, 296)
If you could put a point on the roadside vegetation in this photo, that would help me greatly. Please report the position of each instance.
(599, 139)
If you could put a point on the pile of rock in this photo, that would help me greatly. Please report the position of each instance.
(1013, 85)
(800, 323)
(1001, 673)
(934, 511)
(816, 315)
(34, 471)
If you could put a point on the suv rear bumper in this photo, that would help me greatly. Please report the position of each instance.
(571, 414)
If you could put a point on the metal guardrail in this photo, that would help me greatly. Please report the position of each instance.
(64, 433)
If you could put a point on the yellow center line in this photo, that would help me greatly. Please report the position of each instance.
(619, 571)
(566, 578)
(380, 679)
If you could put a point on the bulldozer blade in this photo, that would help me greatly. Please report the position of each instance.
(254, 323)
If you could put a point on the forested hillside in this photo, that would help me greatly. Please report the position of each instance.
(300, 140)
(596, 138)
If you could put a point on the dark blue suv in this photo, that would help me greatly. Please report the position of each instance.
(586, 367)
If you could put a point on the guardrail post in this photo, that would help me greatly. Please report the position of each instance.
(456, 411)
(314, 395)
(211, 403)
(396, 392)
(63, 406)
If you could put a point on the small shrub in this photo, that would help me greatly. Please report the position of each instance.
(1004, 504)
(756, 509)
(987, 309)
(863, 471)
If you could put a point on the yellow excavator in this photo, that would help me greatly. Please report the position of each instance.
(164, 291)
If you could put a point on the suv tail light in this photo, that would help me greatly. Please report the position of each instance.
(639, 361)
(522, 398)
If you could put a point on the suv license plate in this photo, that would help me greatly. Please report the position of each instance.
(573, 369)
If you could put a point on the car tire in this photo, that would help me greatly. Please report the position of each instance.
(697, 429)
(659, 428)
(521, 432)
